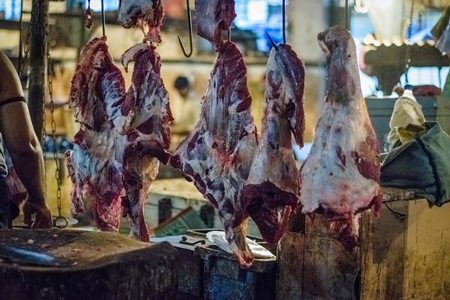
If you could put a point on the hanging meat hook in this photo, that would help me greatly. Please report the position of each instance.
(272, 41)
(190, 33)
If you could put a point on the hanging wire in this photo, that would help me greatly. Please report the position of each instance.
(186, 54)
(229, 34)
(103, 17)
(283, 8)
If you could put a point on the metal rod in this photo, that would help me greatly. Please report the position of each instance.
(229, 34)
(103, 18)
(190, 33)
(284, 21)
(408, 43)
(347, 16)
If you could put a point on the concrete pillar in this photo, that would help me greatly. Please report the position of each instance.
(306, 19)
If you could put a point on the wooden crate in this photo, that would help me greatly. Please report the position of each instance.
(403, 255)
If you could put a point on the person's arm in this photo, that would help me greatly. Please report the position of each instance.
(23, 146)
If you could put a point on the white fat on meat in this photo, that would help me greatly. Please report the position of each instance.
(341, 174)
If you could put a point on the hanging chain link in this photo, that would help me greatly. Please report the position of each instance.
(60, 221)
(408, 43)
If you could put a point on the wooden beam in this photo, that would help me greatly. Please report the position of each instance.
(38, 63)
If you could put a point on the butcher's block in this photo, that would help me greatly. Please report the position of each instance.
(100, 265)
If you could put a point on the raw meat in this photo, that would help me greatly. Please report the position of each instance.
(147, 113)
(341, 174)
(218, 153)
(122, 136)
(96, 178)
(213, 16)
(273, 184)
(97, 87)
(145, 14)
(146, 105)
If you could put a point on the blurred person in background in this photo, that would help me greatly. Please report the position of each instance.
(186, 107)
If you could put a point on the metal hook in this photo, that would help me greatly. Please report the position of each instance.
(284, 21)
(190, 33)
(272, 41)
(229, 34)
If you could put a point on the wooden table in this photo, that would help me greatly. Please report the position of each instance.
(108, 266)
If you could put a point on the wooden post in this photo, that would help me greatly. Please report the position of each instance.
(38, 63)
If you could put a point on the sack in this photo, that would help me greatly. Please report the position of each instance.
(421, 165)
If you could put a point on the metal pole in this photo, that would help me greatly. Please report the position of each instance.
(347, 16)
(38, 63)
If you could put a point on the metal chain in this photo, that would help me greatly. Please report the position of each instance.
(60, 221)
(408, 43)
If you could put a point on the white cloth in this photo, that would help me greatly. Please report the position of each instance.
(406, 111)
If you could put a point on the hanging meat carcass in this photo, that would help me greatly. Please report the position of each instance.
(145, 14)
(340, 176)
(213, 17)
(97, 87)
(273, 185)
(127, 133)
(218, 153)
(147, 127)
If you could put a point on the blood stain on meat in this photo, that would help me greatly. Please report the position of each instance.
(216, 156)
(273, 186)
